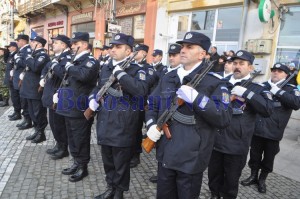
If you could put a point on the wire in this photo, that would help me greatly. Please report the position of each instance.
(275, 4)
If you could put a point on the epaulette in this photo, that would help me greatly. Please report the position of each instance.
(291, 85)
(93, 58)
(261, 84)
(215, 75)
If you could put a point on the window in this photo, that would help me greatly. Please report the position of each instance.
(183, 22)
(85, 27)
(203, 21)
(289, 39)
(228, 24)
(133, 25)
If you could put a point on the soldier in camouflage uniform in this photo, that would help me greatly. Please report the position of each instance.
(4, 91)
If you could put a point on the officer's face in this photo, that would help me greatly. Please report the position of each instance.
(191, 54)
(174, 59)
(1, 52)
(21, 43)
(156, 59)
(120, 52)
(277, 75)
(58, 46)
(12, 49)
(35, 45)
(80, 45)
(140, 55)
(228, 67)
(241, 68)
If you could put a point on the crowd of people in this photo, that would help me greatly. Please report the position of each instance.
(215, 111)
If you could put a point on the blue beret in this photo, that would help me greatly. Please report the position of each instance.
(121, 38)
(196, 38)
(282, 67)
(244, 55)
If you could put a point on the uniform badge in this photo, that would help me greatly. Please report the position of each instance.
(117, 37)
(189, 36)
(173, 47)
(41, 59)
(277, 65)
(297, 93)
(142, 75)
(73, 35)
(225, 98)
(239, 54)
(29, 50)
(89, 64)
(150, 71)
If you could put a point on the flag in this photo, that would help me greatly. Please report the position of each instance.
(33, 34)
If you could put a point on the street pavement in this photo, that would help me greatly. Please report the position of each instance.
(26, 171)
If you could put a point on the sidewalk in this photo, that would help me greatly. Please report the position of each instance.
(26, 171)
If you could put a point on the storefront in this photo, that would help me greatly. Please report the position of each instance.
(83, 22)
(48, 27)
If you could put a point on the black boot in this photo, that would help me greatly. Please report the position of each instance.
(253, 178)
(26, 125)
(262, 187)
(118, 194)
(31, 137)
(15, 117)
(53, 150)
(135, 160)
(40, 137)
(153, 179)
(60, 153)
(71, 170)
(14, 113)
(22, 123)
(214, 196)
(80, 173)
(4, 102)
(107, 194)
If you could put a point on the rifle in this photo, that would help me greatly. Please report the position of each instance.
(20, 81)
(246, 83)
(288, 79)
(65, 76)
(88, 113)
(49, 73)
(148, 144)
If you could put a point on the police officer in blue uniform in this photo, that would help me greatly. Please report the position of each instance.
(19, 67)
(35, 63)
(183, 158)
(157, 64)
(232, 144)
(51, 79)
(269, 131)
(13, 48)
(140, 61)
(72, 100)
(119, 115)
(174, 64)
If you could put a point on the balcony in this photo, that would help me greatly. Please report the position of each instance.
(33, 7)
(6, 17)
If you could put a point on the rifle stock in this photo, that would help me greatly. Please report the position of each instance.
(147, 143)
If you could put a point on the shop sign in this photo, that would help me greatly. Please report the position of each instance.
(85, 17)
(113, 28)
(265, 11)
(56, 23)
(131, 8)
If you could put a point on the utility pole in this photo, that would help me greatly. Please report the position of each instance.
(12, 3)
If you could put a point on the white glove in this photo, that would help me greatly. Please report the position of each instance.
(187, 93)
(93, 104)
(55, 98)
(11, 73)
(154, 134)
(42, 82)
(68, 65)
(238, 91)
(274, 90)
(21, 76)
(117, 68)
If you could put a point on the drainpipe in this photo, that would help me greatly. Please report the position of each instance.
(244, 19)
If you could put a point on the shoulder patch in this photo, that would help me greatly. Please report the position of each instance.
(90, 64)
(216, 75)
(225, 97)
(29, 50)
(41, 58)
(142, 75)
(297, 92)
(150, 71)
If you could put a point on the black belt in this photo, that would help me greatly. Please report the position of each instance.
(114, 92)
(185, 119)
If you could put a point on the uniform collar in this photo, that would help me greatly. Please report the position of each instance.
(234, 81)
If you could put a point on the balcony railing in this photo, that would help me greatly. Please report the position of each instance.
(32, 5)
